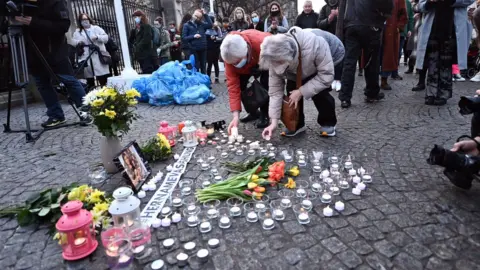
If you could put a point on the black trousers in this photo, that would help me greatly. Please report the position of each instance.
(102, 81)
(264, 81)
(147, 65)
(212, 60)
(475, 127)
(200, 60)
(358, 38)
(324, 102)
(176, 55)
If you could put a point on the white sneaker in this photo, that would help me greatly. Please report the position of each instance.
(476, 78)
(458, 78)
(339, 86)
(334, 85)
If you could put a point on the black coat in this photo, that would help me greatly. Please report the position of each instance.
(47, 30)
(141, 40)
(259, 27)
(307, 20)
(323, 22)
(371, 13)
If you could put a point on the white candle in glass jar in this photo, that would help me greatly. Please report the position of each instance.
(141, 194)
(225, 220)
(278, 212)
(166, 222)
(286, 201)
(326, 197)
(325, 174)
(212, 212)
(192, 219)
(252, 215)
(316, 186)
(303, 216)
(191, 208)
(268, 222)
(235, 211)
(317, 168)
(307, 203)
(348, 164)
(176, 218)
(301, 192)
(166, 210)
(177, 201)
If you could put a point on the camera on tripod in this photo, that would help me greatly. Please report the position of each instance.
(18, 7)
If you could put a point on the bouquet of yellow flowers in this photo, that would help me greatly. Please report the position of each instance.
(111, 109)
(157, 148)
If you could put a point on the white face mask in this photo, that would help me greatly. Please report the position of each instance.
(241, 64)
(137, 20)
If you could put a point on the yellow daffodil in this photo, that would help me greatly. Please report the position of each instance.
(294, 171)
(132, 93)
(97, 102)
(96, 196)
(101, 207)
(110, 114)
(132, 102)
(291, 183)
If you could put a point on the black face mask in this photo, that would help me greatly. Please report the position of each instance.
(275, 13)
(332, 3)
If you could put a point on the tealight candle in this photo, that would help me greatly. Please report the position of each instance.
(169, 168)
(235, 211)
(316, 187)
(202, 255)
(156, 223)
(348, 165)
(356, 191)
(213, 243)
(240, 138)
(263, 152)
(211, 159)
(192, 219)
(288, 158)
(339, 206)
(301, 156)
(168, 243)
(141, 194)
(138, 250)
(352, 172)
(205, 166)
(158, 264)
(269, 145)
(176, 218)
(176, 156)
(152, 186)
(271, 155)
(252, 217)
(335, 167)
(367, 179)
(206, 184)
(356, 179)
(191, 208)
(286, 202)
(182, 259)
(177, 202)
(326, 198)
(307, 204)
(268, 224)
(251, 152)
(189, 246)
(361, 171)
(239, 152)
(217, 178)
(327, 211)
(303, 217)
(301, 192)
(223, 141)
(212, 213)
(302, 162)
(224, 154)
(325, 174)
(278, 214)
(328, 180)
(334, 159)
(231, 139)
(205, 227)
(166, 210)
(260, 206)
(225, 222)
(317, 168)
(361, 186)
(166, 222)
(209, 141)
(335, 190)
(237, 144)
(145, 187)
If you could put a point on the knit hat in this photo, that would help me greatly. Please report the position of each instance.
(138, 13)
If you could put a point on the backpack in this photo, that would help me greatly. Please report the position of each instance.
(156, 37)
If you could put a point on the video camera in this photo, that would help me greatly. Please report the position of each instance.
(18, 7)
(469, 105)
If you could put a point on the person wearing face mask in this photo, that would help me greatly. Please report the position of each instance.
(240, 52)
(89, 34)
(194, 34)
(308, 18)
(163, 50)
(327, 20)
(256, 24)
(141, 40)
(281, 54)
(175, 51)
(281, 25)
(240, 22)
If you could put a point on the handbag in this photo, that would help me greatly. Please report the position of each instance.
(254, 97)
(290, 115)
(104, 57)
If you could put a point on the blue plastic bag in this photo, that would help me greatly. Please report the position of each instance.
(197, 94)
(171, 69)
(160, 93)
(141, 86)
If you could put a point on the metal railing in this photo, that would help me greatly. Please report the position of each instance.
(103, 13)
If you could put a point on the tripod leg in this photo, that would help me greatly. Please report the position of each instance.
(6, 126)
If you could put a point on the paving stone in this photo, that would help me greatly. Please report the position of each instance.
(389, 209)
(277, 241)
(350, 259)
(443, 252)
(347, 234)
(223, 261)
(407, 262)
(335, 265)
(435, 263)
(294, 255)
(400, 238)
(303, 240)
(321, 232)
(359, 221)
(293, 227)
(371, 233)
(466, 265)
(334, 245)
(418, 251)
(385, 226)
(28, 261)
(361, 247)
(318, 254)
(373, 214)
(378, 262)
(386, 248)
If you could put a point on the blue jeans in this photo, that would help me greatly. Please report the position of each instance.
(49, 95)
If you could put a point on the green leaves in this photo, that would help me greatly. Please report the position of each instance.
(25, 218)
(44, 211)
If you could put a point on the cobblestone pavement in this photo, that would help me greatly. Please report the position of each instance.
(409, 218)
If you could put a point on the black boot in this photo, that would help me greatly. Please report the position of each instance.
(263, 121)
(418, 87)
(249, 117)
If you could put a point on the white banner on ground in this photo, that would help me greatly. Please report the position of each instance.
(156, 203)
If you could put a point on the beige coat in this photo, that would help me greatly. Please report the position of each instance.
(316, 59)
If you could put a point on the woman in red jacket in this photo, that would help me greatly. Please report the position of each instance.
(240, 52)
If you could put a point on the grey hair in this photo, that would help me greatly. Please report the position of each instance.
(278, 48)
(233, 47)
(308, 2)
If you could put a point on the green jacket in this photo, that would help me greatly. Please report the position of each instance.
(141, 40)
(165, 43)
(411, 21)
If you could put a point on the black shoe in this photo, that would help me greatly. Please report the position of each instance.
(53, 122)
(429, 100)
(216, 80)
(248, 118)
(262, 122)
(397, 78)
(378, 97)
(418, 87)
(385, 86)
(346, 104)
(360, 73)
(409, 71)
(440, 101)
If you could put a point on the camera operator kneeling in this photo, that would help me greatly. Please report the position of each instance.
(47, 30)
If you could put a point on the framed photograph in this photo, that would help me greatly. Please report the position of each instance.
(136, 169)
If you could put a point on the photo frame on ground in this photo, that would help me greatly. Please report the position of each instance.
(135, 168)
